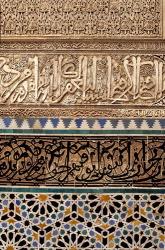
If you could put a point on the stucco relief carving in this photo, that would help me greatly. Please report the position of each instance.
(149, 46)
(76, 18)
(74, 79)
(81, 111)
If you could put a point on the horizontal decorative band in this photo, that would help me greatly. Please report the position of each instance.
(103, 125)
(117, 46)
(82, 19)
(82, 79)
(78, 161)
(83, 112)
(85, 190)
(79, 132)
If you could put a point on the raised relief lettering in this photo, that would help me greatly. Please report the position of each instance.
(82, 79)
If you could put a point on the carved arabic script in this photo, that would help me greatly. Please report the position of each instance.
(78, 161)
(75, 79)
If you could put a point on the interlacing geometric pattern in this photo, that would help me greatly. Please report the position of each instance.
(82, 18)
(81, 221)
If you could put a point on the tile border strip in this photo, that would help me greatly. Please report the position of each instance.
(101, 190)
(80, 123)
(79, 132)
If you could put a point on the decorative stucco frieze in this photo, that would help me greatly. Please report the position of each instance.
(80, 111)
(60, 45)
(82, 79)
(77, 18)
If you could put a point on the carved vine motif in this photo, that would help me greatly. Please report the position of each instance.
(79, 161)
(76, 18)
(81, 111)
(153, 46)
(82, 79)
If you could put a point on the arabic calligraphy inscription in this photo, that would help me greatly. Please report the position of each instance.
(82, 79)
(78, 161)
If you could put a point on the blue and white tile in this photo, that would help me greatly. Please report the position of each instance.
(96, 124)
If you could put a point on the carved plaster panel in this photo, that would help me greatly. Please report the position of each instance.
(82, 79)
(144, 46)
(82, 18)
(80, 111)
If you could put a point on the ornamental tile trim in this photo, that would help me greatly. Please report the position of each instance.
(80, 123)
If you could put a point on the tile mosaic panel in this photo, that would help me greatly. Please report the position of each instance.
(66, 221)
(82, 79)
(82, 19)
(82, 161)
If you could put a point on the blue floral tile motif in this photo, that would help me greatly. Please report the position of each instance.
(102, 122)
(126, 123)
(31, 122)
(7, 121)
(19, 122)
(79, 122)
(55, 122)
(43, 121)
(66, 122)
(90, 122)
(67, 221)
(138, 122)
(150, 122)
(162, 123)
(114, 122)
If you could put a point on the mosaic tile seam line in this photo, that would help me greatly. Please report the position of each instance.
(84, 190)
(81, 221)
(82, 161)
(40, 132)
(81, 123)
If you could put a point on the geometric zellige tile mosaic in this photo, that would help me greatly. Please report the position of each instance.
(65, 221)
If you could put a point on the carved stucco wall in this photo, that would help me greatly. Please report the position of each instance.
(82, 54)
(82, 18)
(82, 120)
(86, 79)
